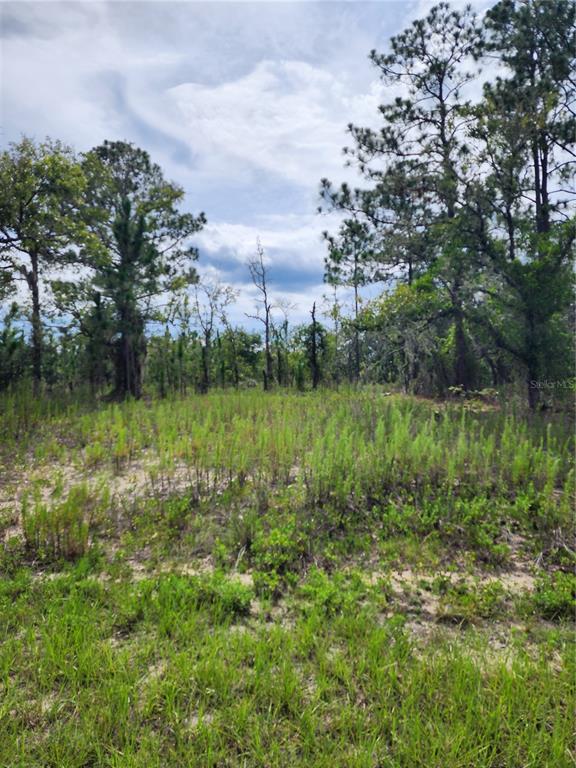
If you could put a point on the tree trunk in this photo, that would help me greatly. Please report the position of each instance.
(236, 373)
(533, 361)
(279, 367)
(356, 335)
(235, 369)
(180, 357)
(220, 362)
(32, 278)
(205, 385)
(533, 391)
(462, 373)
(129, 356)
(537, 187)
(314, 352)
(268, 354)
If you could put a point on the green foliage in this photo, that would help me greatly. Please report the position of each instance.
(42, 185)
(496, 251)
(276, 554)
(343, 506)
(94, 665)
(554, 596)
(13, 351)
(132, 213)
(334, 594)
(468, 602)
(41, 191)
(172, 596)
(12, 556)
(334, 460)
(310, 353)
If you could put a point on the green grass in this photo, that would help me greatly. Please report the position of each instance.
(158, 673)
(285, 580)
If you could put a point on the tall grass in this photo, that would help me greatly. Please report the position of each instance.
(357, 440)
(348, 450)
(60, 530)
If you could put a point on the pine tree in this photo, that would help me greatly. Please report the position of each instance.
(144, 247)
(526, 129)
(416, 164)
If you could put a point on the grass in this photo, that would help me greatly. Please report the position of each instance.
(158, 673)
(330, 579)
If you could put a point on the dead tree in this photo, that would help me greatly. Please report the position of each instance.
(259, 275)
(210, 302)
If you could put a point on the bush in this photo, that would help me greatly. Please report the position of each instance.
(12, 556)
(335, 593)
(555, 596)
(276, 554)
(227, 596)
(173, 597)
(465, 602)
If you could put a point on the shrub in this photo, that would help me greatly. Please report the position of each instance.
(555, 596)
(172, 598)
(333, 593)
(275, 555)
(227, 597)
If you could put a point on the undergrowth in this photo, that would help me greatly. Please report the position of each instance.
(245, 580)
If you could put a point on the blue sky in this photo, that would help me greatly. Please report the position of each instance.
(245, 104)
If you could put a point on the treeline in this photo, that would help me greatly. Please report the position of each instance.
(114, 301)
(98, 237)
(468, 208)
(464, 222)
(185, 342)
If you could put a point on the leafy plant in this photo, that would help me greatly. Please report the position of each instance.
(554, 596)
(466, 602)
(276, 554)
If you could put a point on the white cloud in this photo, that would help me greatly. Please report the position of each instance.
(285, 117)
(294, 241)
(299, 305)
(292, 244)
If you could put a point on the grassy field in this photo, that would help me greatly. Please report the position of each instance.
(248, 579)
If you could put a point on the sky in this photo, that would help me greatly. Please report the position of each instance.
(244, 104)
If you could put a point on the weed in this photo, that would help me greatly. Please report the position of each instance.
(466, 602)
(60, 530)
(122, 655)
(336, 593)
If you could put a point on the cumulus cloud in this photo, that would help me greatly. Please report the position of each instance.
(284, 117)
(293, 238)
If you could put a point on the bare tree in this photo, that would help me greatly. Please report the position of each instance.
(259, 275)
(281, 335)
(209, 308)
